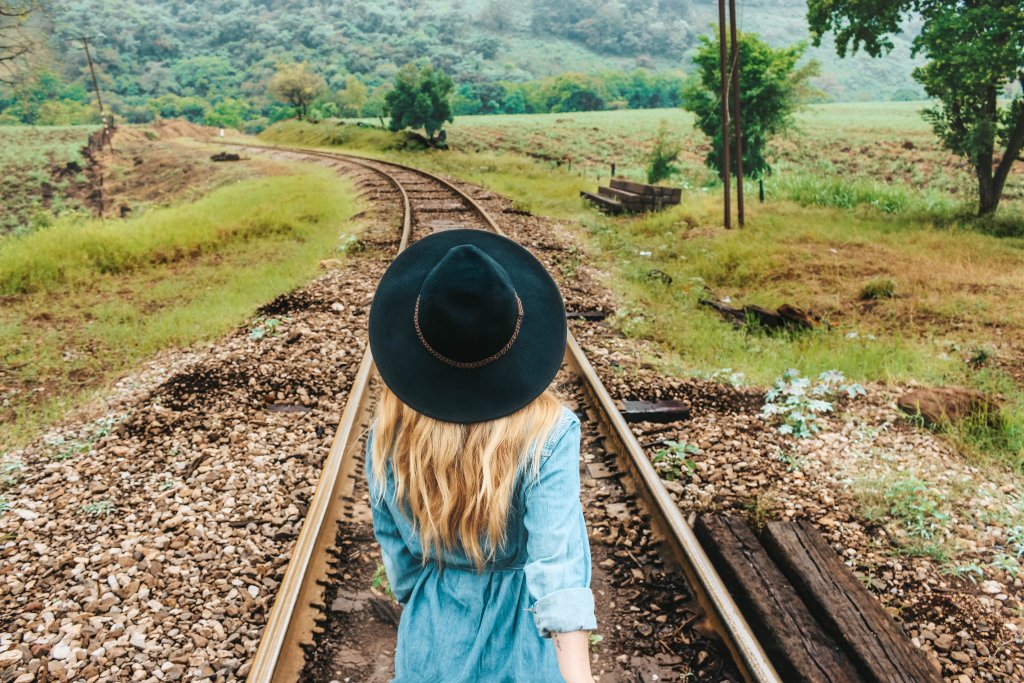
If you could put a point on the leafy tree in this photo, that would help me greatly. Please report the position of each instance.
(205, 76)
(66, 113)
(174, 106)
(975, 53)
(353, 97)
(420, 99)
(376, 103)
(298, 85)
(772, 87)
(228, 113)
(574, 92)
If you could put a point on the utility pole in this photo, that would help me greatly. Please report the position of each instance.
(735, 68)
(92, 70)
(723, 71)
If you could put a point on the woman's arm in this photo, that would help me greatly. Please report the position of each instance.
(558, 562)
(402, 568)
(572, 650)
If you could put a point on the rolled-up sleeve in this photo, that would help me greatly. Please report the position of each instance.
(401, 565)
(558, 553)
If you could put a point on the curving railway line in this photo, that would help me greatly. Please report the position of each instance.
(618, 479)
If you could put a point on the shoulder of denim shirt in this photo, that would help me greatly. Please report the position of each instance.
(565, 422)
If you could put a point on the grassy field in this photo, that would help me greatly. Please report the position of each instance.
(953, 319)
(838, 155)
(83, 301)
(28, 190)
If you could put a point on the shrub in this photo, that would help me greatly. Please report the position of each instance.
(880, 288)
(796, 403)
(661, 162)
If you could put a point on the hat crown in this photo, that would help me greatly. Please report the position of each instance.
(468, 309)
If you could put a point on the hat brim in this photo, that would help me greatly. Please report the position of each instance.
(438, 390)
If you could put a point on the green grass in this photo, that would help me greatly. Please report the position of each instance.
(104, 296)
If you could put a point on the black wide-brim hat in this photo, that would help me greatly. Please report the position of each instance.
(467, 326)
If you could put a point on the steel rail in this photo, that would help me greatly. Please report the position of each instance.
(279, 657)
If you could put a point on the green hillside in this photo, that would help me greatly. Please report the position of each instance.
(188, 59)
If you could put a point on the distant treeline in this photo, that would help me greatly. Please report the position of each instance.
(48, 100)
(638, 89)
(211, 61)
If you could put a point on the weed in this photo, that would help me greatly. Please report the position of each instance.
(797, 403)
(570, 263)
(9, 472)
(351, 244)
(594, 638)
(4, 505)
(1007, 563)
(916, 508)
(100, 508)
(972, 572)
(265, 327)
(673, 461)
(1015, 540)
(379, 582)
(792, 462)
(914, 503)
(727, 376)
(880, 288)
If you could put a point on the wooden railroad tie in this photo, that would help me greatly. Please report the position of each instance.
(816, 621)
(626, 196)
(655, 411)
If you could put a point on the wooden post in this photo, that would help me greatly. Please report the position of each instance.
(723, 70)
(735, 69)
(92, 70)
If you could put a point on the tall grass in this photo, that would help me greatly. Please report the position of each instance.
(91, 317)
(846, 193)
(70, 251)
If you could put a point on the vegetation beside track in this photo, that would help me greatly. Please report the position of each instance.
(953, 319)
(85, 300)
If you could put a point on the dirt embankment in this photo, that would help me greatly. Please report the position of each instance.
(130, 167)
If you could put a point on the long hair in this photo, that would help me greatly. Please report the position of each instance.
(458, 479)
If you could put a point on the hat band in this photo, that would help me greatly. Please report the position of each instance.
(475, 364)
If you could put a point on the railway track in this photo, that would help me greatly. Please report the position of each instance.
(620, 487)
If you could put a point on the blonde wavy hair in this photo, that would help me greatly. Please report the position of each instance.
(458, 479)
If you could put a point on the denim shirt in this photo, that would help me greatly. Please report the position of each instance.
(462, 624)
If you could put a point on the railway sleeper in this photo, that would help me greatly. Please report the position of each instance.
(815, 620)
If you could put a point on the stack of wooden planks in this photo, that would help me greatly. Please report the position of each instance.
(626, 196)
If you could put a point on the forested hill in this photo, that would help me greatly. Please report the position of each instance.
(227, 49)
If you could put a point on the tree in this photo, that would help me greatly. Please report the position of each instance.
(574, 92)
(353, 97)
(772, 87)
(228, 113)
(420, 99)
(975, 69)
(298, 85)
(15, 40)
